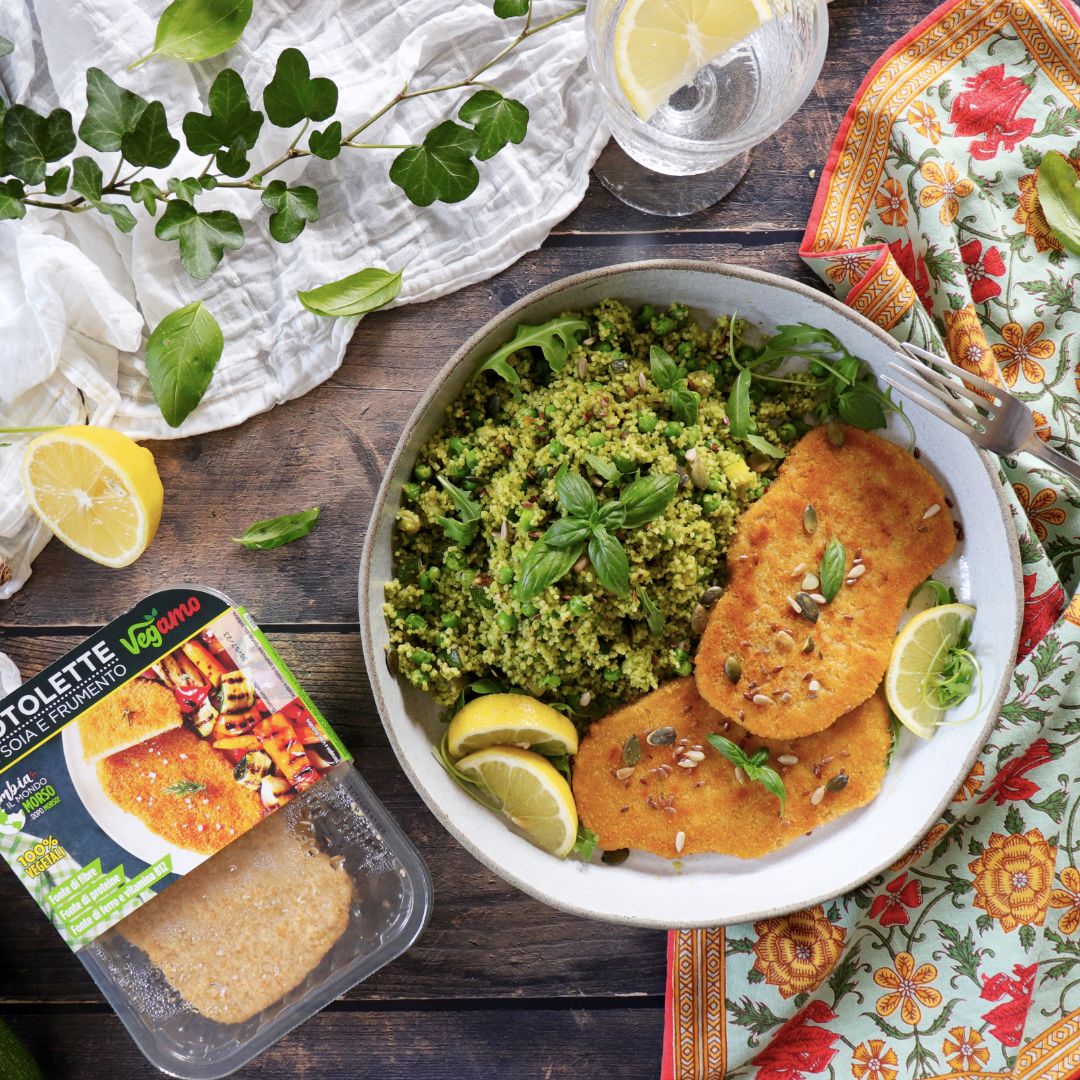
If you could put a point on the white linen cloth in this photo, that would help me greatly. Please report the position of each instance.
(77, 297)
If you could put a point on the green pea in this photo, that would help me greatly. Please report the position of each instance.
(663, 326)
(713, 369)
(428, 602)
(427, 580)
(597, 438)
(818, 370)
(579, 605)
(604, 346)
(551, 412)
(612, 674)
(422, 471)
(551, 680)
(529, 609)
(673, 429)
(459, 471)
(415, 622)
(507, 621)
(453, 560)
(684, 668)
(787, 432)
(505, 575)
(526, 519)
(557, 449)
(530, 411)
(685, 349)
(411, 491)
(451, 621)
(476, 418)
(421, 656)
(746, 354)
(710, 504)
(715, 483)
(692, 435)
(646, 422)
(646, 314)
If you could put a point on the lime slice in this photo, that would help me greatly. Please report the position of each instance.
(919, 652)
(660, 45)
(526, 789)
(510, 720)
(96, 489)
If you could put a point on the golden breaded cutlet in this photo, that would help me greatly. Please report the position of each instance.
(707, 804)
(128, 716)
(797, 676)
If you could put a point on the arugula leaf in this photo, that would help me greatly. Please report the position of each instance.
(604, 469)
(231, 129)
(497, 120)
(608, 558)
(543, 566)
(194, 30)
(31, 140)
(575, 493)
(441, 168)
(754, 766)
(353, 296)
(292, 95)
(150, 143)
(111, 112)
(278, 531)
(647, 498)
(1059, 197)
(293, 209)
(738, 406)
(555, 339)
(586, 841)
(204, 237)
(462, 532)
(5, 46)
(12, 207)
(87, 181)
(833, 565)
(763, 446)
(326, 144)
(509, 9)
(181, 354)
(653, 615)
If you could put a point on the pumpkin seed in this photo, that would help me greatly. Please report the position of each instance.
(808, 608)
(711, 595)
(614, 858)
(733, 669)
(662, 736)
(631, 751)
(808, 645)
(809, 519)
(835, 433)
(837, 783)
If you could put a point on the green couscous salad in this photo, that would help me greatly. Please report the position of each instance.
(564, 533)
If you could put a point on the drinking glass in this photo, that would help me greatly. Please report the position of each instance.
(696, 147)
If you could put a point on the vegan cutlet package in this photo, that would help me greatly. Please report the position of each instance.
(197, 834)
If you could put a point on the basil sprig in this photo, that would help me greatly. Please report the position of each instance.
(588, 526)
(755, 766)
(833, 564)
(462, 532)
(275, 532)
(670, 377)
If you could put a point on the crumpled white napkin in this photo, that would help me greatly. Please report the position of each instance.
(77, 296)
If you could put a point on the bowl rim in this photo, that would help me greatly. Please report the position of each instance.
(508, 316)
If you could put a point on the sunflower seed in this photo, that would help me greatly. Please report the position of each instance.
(784, 638)
(739, 774)
(695, 755)
(819, 794)
(711, 595)
(809, 519)
(810, 582)
(787, 759)
(813, 686)
(631, 751)
(642, 381)
(785, 698)
(857, 570)
(690, 455)
(762, 699)
(835, 433)
(930, 511)
(797, 570)
(837, 783)
(685, 763)
(806, 605)
(582, 367)
(583, 701)
(680, 840)
(624, 773)
(818, 599)
(733, 669)
(662, 736)
(504, 531)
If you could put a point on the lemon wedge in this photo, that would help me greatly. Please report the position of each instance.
(660, 45)
(510, 720)
(918, 653)
(527, 790)
(97, 490)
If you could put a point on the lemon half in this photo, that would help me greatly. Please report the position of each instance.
(510, 720)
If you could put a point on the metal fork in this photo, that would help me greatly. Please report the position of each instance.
(997, 422)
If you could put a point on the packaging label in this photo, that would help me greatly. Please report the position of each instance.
(146, 750)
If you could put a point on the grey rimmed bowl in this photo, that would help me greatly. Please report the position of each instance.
(713, 890)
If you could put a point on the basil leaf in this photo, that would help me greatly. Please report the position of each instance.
(194, 30)
(1059, 197)
(684, 404)
(181, 354)
(604, 469)
(441, 168)
(31, 140)
(609, 561)
(353, 296)
(738, 406)
(486, 686)
(543, 566)
(509, 9)
(860, 407)
(612, 516)
(833, 565)
(665, 371)
(326, 144)
(647, 498)
(566, 533)
(769, 778)
(555, 339)
(730, 750)
(5, 46)
(497, 120)
(111, 111)
(653, 615)
(576, 495)
(274, 532)
(204, 237)
(763, 446)
(293, 209)
(293, 96)
(940, 593)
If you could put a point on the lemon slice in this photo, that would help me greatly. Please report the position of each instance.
(527, 789)
(919, 651)
(510, 720)
(660, 45)
(97, 490)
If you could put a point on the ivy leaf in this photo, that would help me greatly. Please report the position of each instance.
(187, 189)
(608, 558)
(509, 9)
(87, 180)
(293, 209)
(232, 126)
(181, 354)
(353, 296)
(497, 120)
(1059, 197)
(150, 143)
(111, 112)
(441, 168)
(57, 183)
(292, 95)
(146, 193)
(5, 46)
(204, 238)
(326, 144)
(194, 30)
(11, 200)
(32, 140)
(276, 532)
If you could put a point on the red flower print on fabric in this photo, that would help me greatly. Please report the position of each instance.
(988, 107)
(891, 907)
(1040, 614)
(797, 1048)
(981, 267)
(1007, 1019)
(915, 271)
(1010, 783)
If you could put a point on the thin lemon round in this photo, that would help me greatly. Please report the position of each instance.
(528, 790)
(510, 720)
(660, 45)
(917, 653)
(98, 491)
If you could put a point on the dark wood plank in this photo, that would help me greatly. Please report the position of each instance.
(529, 1043)
(328, 448)
(485, 940)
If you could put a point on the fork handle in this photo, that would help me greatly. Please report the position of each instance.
(1054, 458)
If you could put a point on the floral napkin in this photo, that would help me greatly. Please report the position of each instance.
(963, 959)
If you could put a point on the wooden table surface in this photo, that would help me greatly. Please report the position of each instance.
(499, 985)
